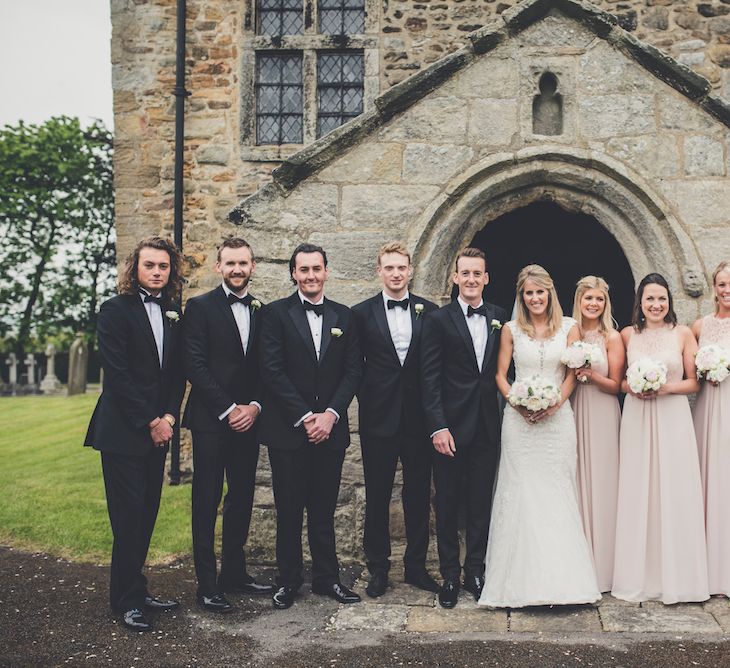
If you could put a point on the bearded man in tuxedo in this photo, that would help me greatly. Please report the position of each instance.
(221, 360)
(140, 345)
(459, 347)
(310, 369)
(392, 424)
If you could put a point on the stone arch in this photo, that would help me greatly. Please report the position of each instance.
(579, 181)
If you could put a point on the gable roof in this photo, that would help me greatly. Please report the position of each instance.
(511, 22)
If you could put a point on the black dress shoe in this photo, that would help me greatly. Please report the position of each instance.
(338, 592)
(377, 585)
(136, 621)
(474, 584)
(422, 580)
(283, 598)
(161, 604)
(449, 593)
(248, 586)
(215, 603)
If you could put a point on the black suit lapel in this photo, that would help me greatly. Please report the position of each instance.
(222, 301)
(299, 318)
(491, 338)
(415, 328)
(329, 320)
(378, 308)
(251, 325)
(140, 316)
(457, 315)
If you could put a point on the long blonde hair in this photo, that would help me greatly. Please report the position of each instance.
(723, 266)
(605, 323)
(538, 275)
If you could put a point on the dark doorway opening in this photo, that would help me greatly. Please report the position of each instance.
(569, 245)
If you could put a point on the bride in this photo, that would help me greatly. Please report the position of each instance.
(537, 553)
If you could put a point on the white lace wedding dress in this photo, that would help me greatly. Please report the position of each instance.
(537, 553)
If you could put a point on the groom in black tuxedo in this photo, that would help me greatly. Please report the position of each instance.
(139, 342)
(459, 347)
(310, 368)
(392, 424)
(221, 359)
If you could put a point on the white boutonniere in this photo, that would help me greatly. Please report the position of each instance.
(255, 304)
(336, 332)
(419, 309)
(495, 324)
(173, 316)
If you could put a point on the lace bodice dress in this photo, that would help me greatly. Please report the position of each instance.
(712, 427)
(537, 553)
(597, 420)
(660, 534)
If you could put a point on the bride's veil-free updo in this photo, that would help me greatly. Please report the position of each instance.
(538, 275)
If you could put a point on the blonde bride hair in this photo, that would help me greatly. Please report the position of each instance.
(538, 275)
(605, 323)
(723, 266)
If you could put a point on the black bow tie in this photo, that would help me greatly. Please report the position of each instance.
(482, 310)
(235, 299)
(403, 303)
(318, 309)
(149, 298)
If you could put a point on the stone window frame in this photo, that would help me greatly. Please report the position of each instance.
(308, 44)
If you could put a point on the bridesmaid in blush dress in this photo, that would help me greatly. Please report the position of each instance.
(712, 426)
(597, 418)
(660, 530)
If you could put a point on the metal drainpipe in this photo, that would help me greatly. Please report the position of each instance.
(180, 94)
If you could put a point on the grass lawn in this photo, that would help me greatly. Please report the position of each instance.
(51, 488)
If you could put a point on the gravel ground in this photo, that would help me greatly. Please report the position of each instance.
(55, 613)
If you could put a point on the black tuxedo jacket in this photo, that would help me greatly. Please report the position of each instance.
(136, 389)
(295, 382)
(455, 393)
(219, 371)
(389, 393)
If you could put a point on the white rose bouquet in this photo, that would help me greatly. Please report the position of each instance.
(580, 354)
(534, 394)
(713, 363)
(646, 375)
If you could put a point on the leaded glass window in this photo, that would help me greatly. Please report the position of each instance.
(339, 88)
(280, 17)
(341, 17)
(279, 109)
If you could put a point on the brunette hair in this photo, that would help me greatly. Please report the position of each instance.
(394, 247)
(539, 276)
(723, 266)
(305, 248)
(234, 242)
(128, 283)
(638, 319)
(605, 322)
(470, 251)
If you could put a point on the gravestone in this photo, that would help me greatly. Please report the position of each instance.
(12, 362)
(50, 383)
(78, 364)
(30, 369)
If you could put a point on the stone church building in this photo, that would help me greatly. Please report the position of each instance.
(588, 138)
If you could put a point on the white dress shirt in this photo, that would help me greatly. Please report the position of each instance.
(400, 326)
(242, 316)
(154, 314)
(315, 327)
(478, 329)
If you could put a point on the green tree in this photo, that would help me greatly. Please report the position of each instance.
(56, 228)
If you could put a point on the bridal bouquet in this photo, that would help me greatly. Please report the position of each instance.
(646, 375)
(713, 363)
(535, 394)
(581, 353)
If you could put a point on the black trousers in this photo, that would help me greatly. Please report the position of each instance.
(215, 455)
(133, 488)
(469, 474)
(308, 477)
(380, 459)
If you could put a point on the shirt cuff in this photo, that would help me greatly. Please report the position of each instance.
(438, 431)
(257, 404)
(335, 413)
(226, 412)
(304, 417)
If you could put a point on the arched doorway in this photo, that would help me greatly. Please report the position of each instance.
(568, 244)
